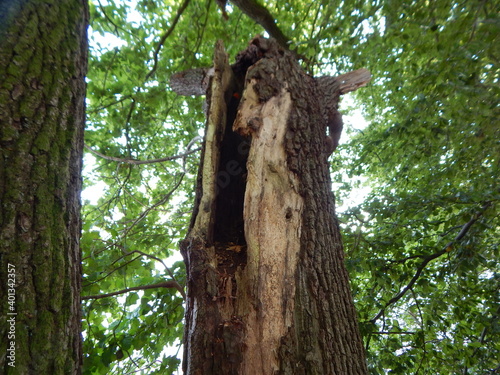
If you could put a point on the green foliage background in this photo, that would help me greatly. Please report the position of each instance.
(429, 226)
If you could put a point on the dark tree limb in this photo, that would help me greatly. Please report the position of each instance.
(465, 228)
(164, 37)
(163, 284)
(263, 17)
(174, 282)
(139, 162)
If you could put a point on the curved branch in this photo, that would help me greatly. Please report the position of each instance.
(263, 17)
(104, 106)
(112, 271)
(165, 36)
(141, 253)
(162, 201)
(164, 284)
(181, 290)
(110, 20)
(465, 228)
(139, 162)
(410, 284)
(344, 83)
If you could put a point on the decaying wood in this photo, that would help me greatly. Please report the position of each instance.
(346, 82)
(195, 81)
(220, 85)
(273, 214)
(268, 292)
(191, 82)
(212, 331)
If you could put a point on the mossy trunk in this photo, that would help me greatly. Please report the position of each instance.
(43, 60)
(268, 291)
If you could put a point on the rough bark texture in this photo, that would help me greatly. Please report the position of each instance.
(43, 48)
(268, 292)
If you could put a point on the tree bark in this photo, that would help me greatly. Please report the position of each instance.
(268, 292)
(43, 60)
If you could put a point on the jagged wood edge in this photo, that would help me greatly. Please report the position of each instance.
(216, 120)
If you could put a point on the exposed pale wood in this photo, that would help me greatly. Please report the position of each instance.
(191, 82)
(353, 80)
(268, 291)
(273, 212)
(215, 128)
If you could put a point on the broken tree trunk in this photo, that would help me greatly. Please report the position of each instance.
(268, 292)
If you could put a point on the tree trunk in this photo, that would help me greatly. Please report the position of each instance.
(43, 60)
(268, 292)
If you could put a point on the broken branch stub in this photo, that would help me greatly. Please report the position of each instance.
(191, 81)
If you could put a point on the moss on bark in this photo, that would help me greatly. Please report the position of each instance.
(42, 90)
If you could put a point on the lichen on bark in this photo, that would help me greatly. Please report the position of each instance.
(42, 89)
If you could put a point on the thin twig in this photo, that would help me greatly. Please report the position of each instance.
(164, 284)
(165, 36)
(157, 204)
(139, 162)
(112, 271)
(447, 247)
(169, 271)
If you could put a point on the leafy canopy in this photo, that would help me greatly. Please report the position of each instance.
(422, 246)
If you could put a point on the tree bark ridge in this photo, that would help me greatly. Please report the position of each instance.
(43, 61)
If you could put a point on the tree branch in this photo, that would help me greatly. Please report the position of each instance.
(157, 204)
(139, 162)
(263, 17)
(141, 253)
(345, 83)
(164, 284)
(165, 36)
(112, 271)
(465, 228)
(407, 258)
(181, 290)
